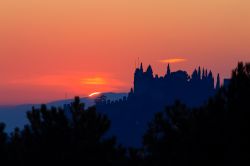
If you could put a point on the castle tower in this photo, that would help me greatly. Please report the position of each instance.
(210, 74)
(218, 82)
(199, 72)
(168, 70)
(138, 76)
(195, 75)
(211, 79)
(141, 68)
(167, 75)
(203, 73)
(149, 72)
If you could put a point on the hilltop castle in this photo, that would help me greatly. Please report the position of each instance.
(192, 90)
(151, 94)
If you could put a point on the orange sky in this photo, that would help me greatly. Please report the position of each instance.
(52, 47)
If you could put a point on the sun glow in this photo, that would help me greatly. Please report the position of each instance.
(173, 60)
(94, 94)
(94, 81)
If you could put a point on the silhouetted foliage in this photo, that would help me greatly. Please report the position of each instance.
(3, 142)
(217, 133)
(53, 137)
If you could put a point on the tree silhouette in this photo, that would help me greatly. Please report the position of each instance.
(3, 143)
(216, 133)
(53, 137)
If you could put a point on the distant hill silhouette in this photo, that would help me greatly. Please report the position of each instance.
(15, 116)
(152, 94)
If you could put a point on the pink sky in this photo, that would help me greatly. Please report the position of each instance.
(52, 47)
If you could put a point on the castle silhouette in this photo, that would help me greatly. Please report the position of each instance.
(191, 90)
(130, 116)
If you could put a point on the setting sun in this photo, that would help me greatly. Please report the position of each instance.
(94, 94)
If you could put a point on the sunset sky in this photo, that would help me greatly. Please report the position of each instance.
(52, 49)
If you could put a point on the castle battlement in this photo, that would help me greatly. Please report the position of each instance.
(176, 84)
(192, 90)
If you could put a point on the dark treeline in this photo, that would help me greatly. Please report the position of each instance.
(52, 136)
(217, 133)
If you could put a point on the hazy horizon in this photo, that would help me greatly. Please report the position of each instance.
(52, 47)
